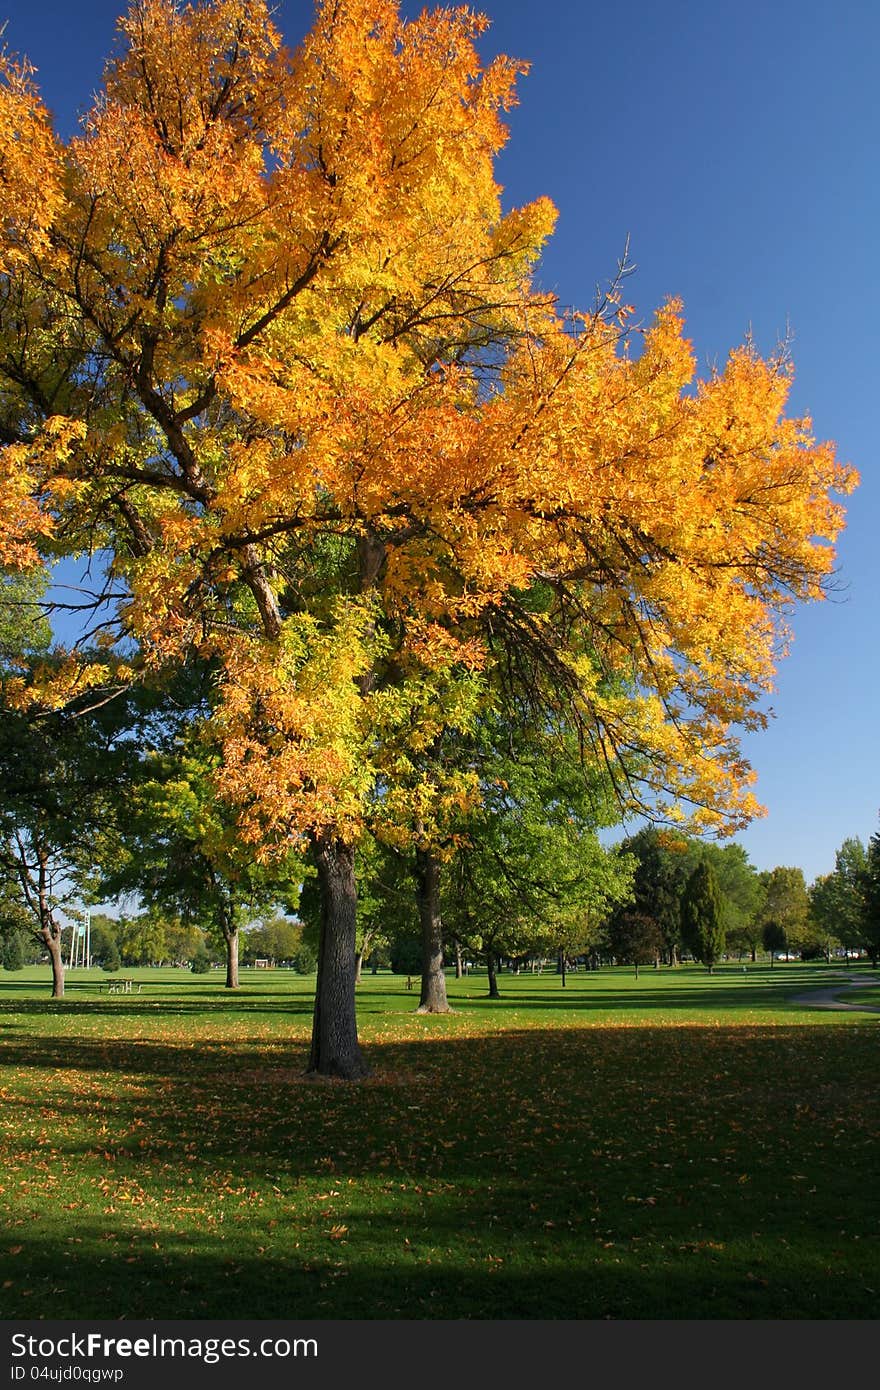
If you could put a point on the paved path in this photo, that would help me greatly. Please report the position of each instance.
(828, 998)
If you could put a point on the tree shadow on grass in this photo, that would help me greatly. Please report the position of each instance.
(654, 1000)
(598, 1172)
(196, 1276)
(171, 1006)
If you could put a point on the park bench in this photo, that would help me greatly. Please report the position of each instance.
(121, 986)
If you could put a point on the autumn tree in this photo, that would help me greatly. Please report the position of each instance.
(271, 346)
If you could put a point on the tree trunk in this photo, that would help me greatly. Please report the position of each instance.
(50, 931)
(493, 978)
(561, 967)
(53, 946)
(433, 996)
(458, 967)
(358, 966)
(335, 1049)
(230, 935)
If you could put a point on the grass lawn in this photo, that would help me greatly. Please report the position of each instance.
(672, 1146)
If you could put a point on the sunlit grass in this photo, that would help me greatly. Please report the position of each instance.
(663, 1147)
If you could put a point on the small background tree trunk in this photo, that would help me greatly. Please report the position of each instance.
(53, 946)
(335, 1050)
(230, 935)
(493, 977)
(433, 994)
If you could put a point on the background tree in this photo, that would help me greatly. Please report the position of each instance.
(836, 898)
(200, 962)
(747, 930)
(702, 916)
(530, 876)
(787, 903)
(12, 950)
(741, 893)
(141, 939)
(102, 942)
(773, 938)
(634, 938)
(661, 871)
(176, 847)
(278, 939)
(58, 775)
(869, 879)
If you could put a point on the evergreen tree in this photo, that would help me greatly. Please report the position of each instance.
(702, 916)
(201, 960)
(12, 956)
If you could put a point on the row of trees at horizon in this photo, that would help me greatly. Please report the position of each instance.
(654, 897)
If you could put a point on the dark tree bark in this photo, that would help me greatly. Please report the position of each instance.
(52, 940)
(493, 977)
(38, 897)
(230, 936)
(561, 966)
(433, 995)
(335, 1049)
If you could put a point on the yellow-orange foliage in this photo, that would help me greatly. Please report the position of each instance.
(275, 338)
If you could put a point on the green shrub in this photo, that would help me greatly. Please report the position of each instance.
(200, 962)
(110, 958)
(305, 962)
(12, 955)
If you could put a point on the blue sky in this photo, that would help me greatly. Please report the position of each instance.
(735, 145)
